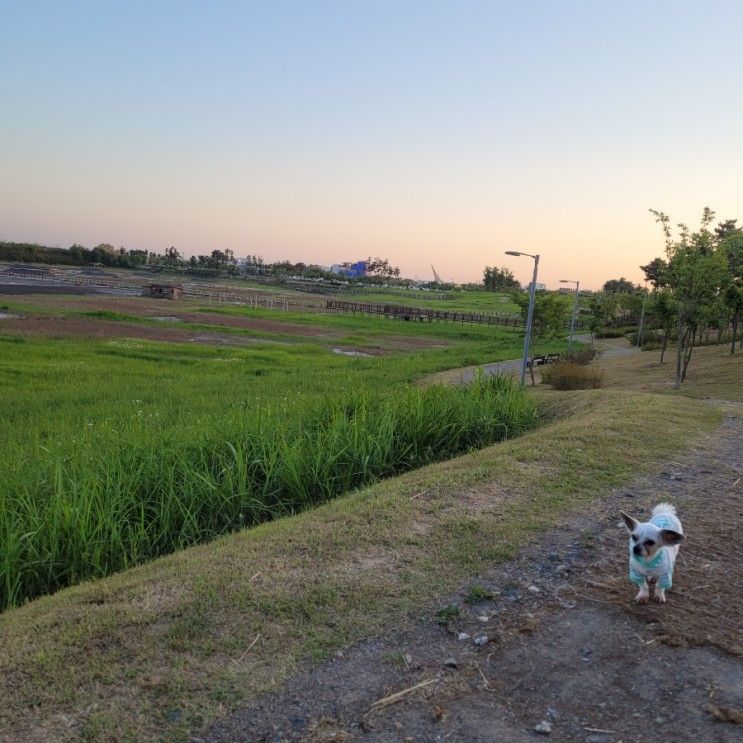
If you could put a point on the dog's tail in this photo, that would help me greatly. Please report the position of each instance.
(664, 508)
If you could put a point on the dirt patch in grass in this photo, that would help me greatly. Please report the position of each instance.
(80, 327)
(183, 311)
(126, 305)
(708, 592)
(255, 323)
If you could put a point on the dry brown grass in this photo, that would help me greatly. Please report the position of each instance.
(713, 372)
(163, 649)
(568, 376)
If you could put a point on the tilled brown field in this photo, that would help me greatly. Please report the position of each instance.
(79, 327)
(52, 325)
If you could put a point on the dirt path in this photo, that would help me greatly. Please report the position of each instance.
(563, 645)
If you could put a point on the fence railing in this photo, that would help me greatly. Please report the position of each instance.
(424, 314)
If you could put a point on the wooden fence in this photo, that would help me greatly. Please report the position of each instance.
(423, 314)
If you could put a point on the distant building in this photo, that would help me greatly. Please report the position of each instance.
(162, 291)
(540, 287)
(350, 270)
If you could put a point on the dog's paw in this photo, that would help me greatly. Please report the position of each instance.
(659, 597)
(642, 597)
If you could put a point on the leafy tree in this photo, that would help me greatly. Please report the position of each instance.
(172, 256)
(664, 308)
(381, 268)
(697, 274)
(731, 243)
(619, 286)
(726, 228)
(655, 272)
(549, 320)
(599, 314)
(499, 279)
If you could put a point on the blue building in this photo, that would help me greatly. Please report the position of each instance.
(350, 270)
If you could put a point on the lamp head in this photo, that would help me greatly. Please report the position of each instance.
(513, 252)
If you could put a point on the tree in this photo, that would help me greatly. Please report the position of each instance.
(381, 267)
(550, 318)
(498, 279)
(600, 310)
(655, 272)
(172, 256)
(619, 286)
(697, 274)
(731, 242)
(726, 228)
(664, 309)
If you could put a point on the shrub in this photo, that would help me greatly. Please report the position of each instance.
(652, 338)
(569, 376)
(583, 357)
(609, 333)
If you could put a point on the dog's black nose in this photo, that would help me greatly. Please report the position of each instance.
(636, 550)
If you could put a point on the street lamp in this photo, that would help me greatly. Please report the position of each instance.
(530, 313)
(575, 309)
(641, 328)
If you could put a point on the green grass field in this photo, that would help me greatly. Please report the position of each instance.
(120, 450)
(453, 301)
(208, 627)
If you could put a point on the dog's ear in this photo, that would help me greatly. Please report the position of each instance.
(631, 523)
(671, 537)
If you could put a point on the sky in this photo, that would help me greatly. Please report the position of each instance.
(423, 132)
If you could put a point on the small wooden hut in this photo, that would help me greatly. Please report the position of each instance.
(162, 291)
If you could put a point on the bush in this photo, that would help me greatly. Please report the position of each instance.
(570, 376)
(609, 333)
(583, 357)
(650, 338)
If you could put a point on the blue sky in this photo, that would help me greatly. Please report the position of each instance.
(419, 131)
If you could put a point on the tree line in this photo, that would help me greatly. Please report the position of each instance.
(217, 262)
(698, 287)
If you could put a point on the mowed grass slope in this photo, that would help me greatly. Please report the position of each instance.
(714, 373)
(161, 650)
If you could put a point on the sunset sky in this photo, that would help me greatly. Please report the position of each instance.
(423, 132)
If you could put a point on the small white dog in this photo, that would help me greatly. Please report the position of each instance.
(653, 547)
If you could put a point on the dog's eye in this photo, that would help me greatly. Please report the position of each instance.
(649, 542)
(634, 537)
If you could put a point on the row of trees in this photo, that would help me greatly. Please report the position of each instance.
(78, 255)
(215, 263)
(698, 286)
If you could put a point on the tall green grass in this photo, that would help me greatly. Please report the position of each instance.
(128, 450)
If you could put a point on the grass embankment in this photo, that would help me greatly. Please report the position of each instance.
(104, 508)
(118, 451)
(163, 649)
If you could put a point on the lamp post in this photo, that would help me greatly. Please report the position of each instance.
(530, 313)
(575, 310)
(641, 328)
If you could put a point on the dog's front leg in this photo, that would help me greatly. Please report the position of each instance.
(659, 595)
(643, 594)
